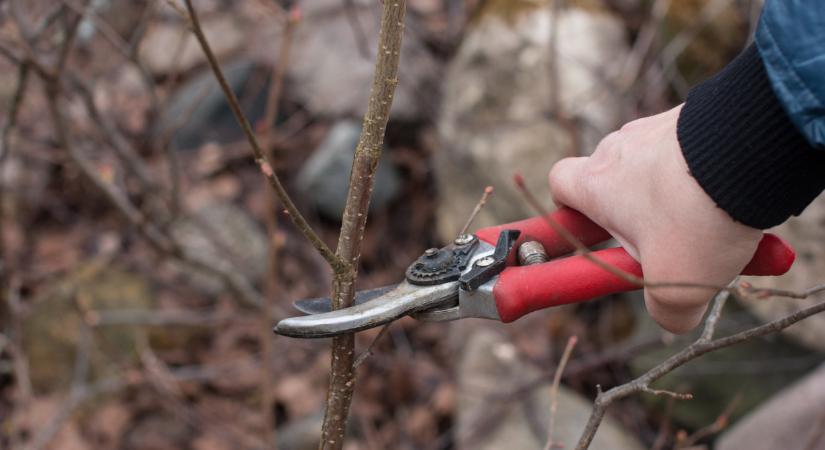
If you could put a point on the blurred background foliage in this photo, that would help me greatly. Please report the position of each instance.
(112, 341)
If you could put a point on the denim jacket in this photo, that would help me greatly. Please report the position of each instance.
(791, 41)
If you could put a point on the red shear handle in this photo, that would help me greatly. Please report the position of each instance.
(538, 229)
(521, 290)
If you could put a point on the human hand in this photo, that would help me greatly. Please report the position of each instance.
(637, 186)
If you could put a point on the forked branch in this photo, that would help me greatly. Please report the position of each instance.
(261, 157)
(354, 221)
(704, 344)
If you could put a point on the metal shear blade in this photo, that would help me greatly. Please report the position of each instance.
(403, 300)
(320, 305)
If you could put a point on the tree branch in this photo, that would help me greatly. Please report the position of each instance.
(705, 344)
(554, 390)
(365, 163)
(236, 282)
(260, 156)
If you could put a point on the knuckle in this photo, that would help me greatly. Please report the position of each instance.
(610, 142)
(632, 125)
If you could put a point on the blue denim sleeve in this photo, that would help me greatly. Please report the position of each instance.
(791, 41)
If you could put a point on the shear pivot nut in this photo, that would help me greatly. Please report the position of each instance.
(485, 261)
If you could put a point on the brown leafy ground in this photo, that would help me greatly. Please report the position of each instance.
(192, 377)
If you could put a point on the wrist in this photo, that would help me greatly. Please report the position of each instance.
(744, 151)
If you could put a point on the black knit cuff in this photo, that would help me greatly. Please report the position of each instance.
(743, 149)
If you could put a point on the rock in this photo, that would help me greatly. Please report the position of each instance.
(790, 419)
(753, 371)
(324, 178)
(198, 111)
(226, 236)
(169, 47)
(497, 116)
(333, 54)
(490, 365)
(52, 328)
(302, 434)
(807, 235)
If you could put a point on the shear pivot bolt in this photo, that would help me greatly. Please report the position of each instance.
(464, 239)
(430, 252)
(485, 261)
(532, 252)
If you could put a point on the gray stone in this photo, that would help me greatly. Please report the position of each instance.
(807, 235)
(497, 116)
(159, 47)
(324, 178)
(491, 366)
(332, 59)
(792, 419)
(226, 236)
(52, 329)
(198, 112)
(301, 434)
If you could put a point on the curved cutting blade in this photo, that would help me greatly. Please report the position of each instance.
(403, 300)
(322, 305)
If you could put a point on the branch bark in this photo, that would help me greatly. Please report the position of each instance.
(365, 163)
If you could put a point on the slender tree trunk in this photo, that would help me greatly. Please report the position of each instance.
(365, 163)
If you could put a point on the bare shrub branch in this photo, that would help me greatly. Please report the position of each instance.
(261, 158)
(354, 220)
(705, 344)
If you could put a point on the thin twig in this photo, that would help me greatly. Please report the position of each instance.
(368, 352)
(554, 11)
(632, 65)
(554, 390)
(235, 281)
(14, 108)
(481, 202)
(586, 364)
(671, 394)
(267, 128)
(357, 30)
(5, 142)
(68, 41)
(705, 344)
(278, 74)
(683, 442)
(53, 80)
(131, 161)
(261, 158)
(664, 426)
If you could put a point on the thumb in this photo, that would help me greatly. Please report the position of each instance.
(566, 183)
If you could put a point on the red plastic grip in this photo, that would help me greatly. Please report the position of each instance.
(537, 229)
(774, 256)
(521, 290)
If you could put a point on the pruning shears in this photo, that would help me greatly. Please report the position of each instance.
(502, 273)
